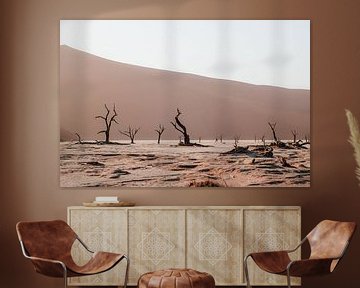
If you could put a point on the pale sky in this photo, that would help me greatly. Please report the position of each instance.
(263, 52)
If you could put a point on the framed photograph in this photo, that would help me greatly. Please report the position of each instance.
(184, 103)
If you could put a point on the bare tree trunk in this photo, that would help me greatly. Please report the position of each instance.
(130, 133)
(160, 131)
(236, 141)
(263, 140)
(181, 128)
(294, 133)
(307, 139)
(108, 123)
(272, 126)
(79, 138)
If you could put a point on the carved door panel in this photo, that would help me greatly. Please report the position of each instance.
(270, 230)
(156, 240)
(101, 230)
(214, 244)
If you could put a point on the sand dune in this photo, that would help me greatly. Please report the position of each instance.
(145, 97)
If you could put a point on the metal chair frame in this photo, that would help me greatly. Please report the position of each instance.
(26, 255)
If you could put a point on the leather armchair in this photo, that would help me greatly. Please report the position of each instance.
(328, 243)
(48, 245)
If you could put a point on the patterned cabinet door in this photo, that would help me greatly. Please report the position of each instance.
(156, 240)
(101, 230)
(270, 230)
(214, 244)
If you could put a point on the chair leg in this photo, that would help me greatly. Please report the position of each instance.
(246, 270)
(288, 278)
(65, 276)
(126, 271)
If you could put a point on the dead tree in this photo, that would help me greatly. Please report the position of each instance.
(294, 133)
(160, 131)
(272, 126)
(181, 128)
(307, 139)
(131, 132)
(79, 138)
(80, 141)
(263, 140)
(108, 121)
(236, 141)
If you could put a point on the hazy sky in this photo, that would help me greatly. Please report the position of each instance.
(265, 52)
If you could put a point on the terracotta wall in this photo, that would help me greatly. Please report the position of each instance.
(29, 178)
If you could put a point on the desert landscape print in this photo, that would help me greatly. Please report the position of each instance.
(184, 103)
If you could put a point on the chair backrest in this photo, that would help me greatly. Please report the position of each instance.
(46, 239)
(329, 239)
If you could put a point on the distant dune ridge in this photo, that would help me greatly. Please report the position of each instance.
(146, 97)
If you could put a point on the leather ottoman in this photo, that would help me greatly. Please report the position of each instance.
(176, 278)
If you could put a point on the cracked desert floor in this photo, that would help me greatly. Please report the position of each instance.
(148, 164)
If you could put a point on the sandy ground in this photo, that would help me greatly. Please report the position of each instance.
(148, 164)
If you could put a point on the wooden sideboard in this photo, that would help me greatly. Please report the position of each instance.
(212, 239)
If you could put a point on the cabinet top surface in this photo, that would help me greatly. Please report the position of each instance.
(193, 207)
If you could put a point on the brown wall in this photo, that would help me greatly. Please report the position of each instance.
(29, 178)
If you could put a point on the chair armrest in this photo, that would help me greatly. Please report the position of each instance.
(45, 260)
(49, 267)
(271, 261)
(280, 251)
(84, 245)
(298, 246)
(268, 254)
(309, 267)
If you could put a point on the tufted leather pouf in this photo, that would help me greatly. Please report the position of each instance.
(176, 278)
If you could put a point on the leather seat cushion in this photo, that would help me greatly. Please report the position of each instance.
(176, 278)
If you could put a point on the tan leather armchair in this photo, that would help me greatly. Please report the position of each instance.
(48, 245)
(328, 242)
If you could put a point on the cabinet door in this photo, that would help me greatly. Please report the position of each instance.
(156, 240)
(100, 230)
(271, 230)
(214, 244)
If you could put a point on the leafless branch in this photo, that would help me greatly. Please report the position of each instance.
(108, 122)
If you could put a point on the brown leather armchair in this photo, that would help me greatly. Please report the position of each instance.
(328, 242)
(48, 245)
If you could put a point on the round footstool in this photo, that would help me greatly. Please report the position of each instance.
(176, 278)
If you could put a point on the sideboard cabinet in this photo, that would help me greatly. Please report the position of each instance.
(211, 239)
